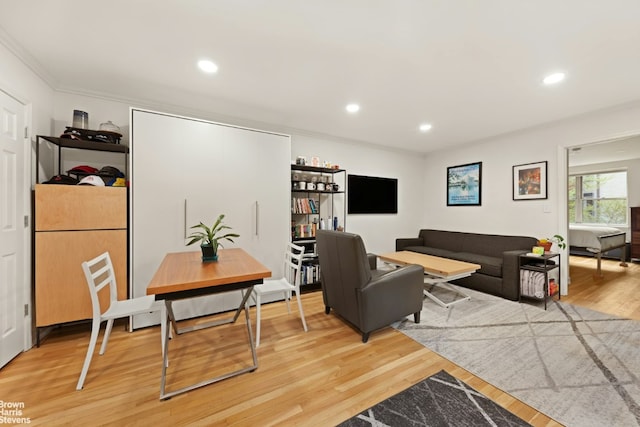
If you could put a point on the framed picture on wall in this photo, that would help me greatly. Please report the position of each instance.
(530, 181)
(464, 185)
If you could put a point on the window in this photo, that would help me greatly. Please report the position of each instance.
(598, 198)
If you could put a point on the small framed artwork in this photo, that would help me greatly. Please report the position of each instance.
(464, 185)
(530, 181)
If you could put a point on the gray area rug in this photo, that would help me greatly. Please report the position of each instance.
(576, 365)
(440, 400)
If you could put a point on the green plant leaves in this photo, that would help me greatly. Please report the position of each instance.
(209, 235)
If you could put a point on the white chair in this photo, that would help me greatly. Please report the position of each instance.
(99, 273)
(286, 285)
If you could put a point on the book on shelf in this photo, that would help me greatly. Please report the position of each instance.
(310, 274)
(304, 230)
(303, 206)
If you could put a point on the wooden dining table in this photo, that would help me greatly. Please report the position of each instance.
(184, 275)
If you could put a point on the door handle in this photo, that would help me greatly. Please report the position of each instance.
(257, 216)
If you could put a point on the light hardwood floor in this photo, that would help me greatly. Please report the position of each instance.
(617, 291)
(318, 378)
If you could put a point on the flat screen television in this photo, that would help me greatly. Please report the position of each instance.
(371, 195)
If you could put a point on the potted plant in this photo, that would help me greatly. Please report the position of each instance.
(210, 238)
(546, 243)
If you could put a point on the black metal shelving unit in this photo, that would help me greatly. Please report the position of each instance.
(77, 144)
(306, 216)
(543, 264)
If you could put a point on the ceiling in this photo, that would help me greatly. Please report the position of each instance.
(606, 151)
(472, 69)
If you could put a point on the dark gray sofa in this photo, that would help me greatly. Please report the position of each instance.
(496, 254)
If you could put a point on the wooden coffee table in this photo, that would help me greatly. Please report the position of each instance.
(437, 270)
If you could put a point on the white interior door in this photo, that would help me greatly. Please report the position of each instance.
(11, 228)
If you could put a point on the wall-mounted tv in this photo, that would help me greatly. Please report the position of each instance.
(371, 195)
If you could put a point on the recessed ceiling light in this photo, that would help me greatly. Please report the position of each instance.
(425, 127)
(207, 66)
(353, 108)
(554, 78)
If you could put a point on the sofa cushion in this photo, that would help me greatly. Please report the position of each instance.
(491, 266)
(430, 251)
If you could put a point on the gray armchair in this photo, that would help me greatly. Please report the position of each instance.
(367, 298)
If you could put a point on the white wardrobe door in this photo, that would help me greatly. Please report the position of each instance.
(185, 171)
(157, 199)
(251, 187)
(262, 196)
(266, 181)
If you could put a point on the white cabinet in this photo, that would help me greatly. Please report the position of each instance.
(187, 170)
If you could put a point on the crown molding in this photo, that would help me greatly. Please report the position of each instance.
(225, 118)
(29, 61)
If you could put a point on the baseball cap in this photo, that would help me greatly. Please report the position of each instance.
(92, 180)
(62, 179)
(112, 176)
(83, 170)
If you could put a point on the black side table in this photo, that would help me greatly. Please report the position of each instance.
(540, 276)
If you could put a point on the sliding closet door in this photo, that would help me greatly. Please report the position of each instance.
(185, 171)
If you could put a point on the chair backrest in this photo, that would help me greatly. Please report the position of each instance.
(293, 264)
(343, 258)
(344, 269)
(99, 273)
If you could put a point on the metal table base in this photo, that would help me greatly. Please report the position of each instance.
(433, 281)
(165, 363)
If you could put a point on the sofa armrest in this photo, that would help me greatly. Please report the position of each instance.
(402, 243)
(373, 261)
(511, 273)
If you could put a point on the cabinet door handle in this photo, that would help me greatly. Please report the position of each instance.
(186, 231)
(257, 216)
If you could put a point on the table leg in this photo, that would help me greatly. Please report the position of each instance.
(212, 323)
(442, 283)
(243, 306)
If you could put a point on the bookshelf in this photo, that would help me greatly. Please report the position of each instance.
(317, 202)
